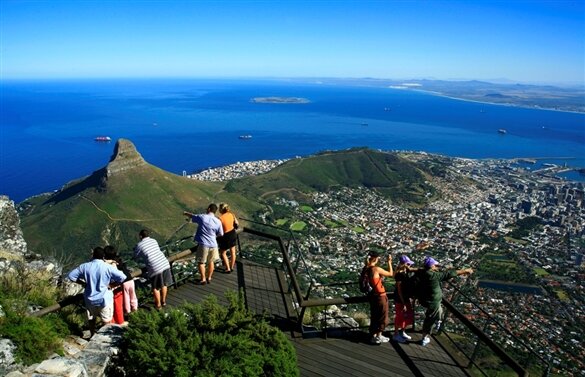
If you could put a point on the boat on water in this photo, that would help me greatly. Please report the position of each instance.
(502, 131)
(103, 138)
(245, 137)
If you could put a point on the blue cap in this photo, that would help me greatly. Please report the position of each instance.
(430, 262)
(404, 259)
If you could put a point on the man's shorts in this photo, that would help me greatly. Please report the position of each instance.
(106, 313)
(164, 279)
(207, 254)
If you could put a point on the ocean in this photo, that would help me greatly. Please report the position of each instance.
(47, 128)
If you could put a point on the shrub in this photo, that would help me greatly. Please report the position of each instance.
(35, 338)
(206, 339)
(23, 283)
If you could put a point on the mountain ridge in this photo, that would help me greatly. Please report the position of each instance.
(111, 205)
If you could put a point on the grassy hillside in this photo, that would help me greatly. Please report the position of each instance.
(114, 203)
(107, 208)
(397, 179)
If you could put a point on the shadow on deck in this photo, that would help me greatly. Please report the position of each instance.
(348, 354)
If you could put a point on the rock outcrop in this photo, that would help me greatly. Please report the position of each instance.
(125, 157)
(12, 243)
(81, 359)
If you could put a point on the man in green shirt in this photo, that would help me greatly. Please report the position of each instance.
(431, 293)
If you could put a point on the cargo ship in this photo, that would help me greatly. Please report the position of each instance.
(502, 131)
(245, 137)
(103, 138)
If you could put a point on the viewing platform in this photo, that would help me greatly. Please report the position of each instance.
(346, 354)
(275, 281)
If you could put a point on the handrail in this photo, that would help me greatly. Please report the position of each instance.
(486, 339)
(70, 300)
(306, 302)
(497, 323)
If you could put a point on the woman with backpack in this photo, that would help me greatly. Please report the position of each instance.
(378, 298)
(403, 312)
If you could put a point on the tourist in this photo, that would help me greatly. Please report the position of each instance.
(98, 278)
(157, 265)
(378, 298)
(431, 293)
(229, 224)
(404, 313)
(209, 228)
(130, 301)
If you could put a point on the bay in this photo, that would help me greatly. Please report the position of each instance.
(47, 128)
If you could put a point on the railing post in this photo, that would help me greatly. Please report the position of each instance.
(476, 348)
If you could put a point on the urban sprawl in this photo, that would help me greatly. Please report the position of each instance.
(470, 224)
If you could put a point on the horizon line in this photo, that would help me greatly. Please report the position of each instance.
(496, 81)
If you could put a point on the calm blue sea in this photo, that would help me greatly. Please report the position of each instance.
(47, 128)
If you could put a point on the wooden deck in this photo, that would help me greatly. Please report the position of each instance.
(350, 354)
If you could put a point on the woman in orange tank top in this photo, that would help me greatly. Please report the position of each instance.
(229, 239)
(378, 298)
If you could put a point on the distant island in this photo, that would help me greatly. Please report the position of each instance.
(279, 100)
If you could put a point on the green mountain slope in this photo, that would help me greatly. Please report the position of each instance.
(397, 179)
(112, 205)
(115, 202)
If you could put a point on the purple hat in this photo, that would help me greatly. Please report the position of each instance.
(404, 259)
(430, 262)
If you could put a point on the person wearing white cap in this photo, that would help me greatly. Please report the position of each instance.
(431, 293)
(403, 312)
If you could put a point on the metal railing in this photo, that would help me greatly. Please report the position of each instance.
(303, 301)
(496, 328)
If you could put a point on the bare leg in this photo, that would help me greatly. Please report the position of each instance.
(202, 271)
(233, 255)
(156, 294)
(163, 297)
(210, 268)
(224, 260)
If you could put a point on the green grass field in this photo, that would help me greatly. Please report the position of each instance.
(298, 226)
(562, 295)
(281, 222)
(306, 208)
(332, 224)
(540, 271)
(358, 229)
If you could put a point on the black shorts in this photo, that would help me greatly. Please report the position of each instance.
(164, 279)
(228, 240)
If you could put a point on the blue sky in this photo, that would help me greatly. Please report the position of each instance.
(523, 41)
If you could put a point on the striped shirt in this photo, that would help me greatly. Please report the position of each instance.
(155, 260)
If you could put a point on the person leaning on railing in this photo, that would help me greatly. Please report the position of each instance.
(431, 293)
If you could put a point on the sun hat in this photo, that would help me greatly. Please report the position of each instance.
(404, 259)
(430, 262)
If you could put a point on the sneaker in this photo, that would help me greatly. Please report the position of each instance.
(375, 340)
(405, 335)
(383, 338)
(399, 338)
(425, 341)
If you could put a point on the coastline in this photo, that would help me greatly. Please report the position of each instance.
(439, 94)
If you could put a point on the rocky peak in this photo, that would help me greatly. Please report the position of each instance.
(12, 243)
(125, 157)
